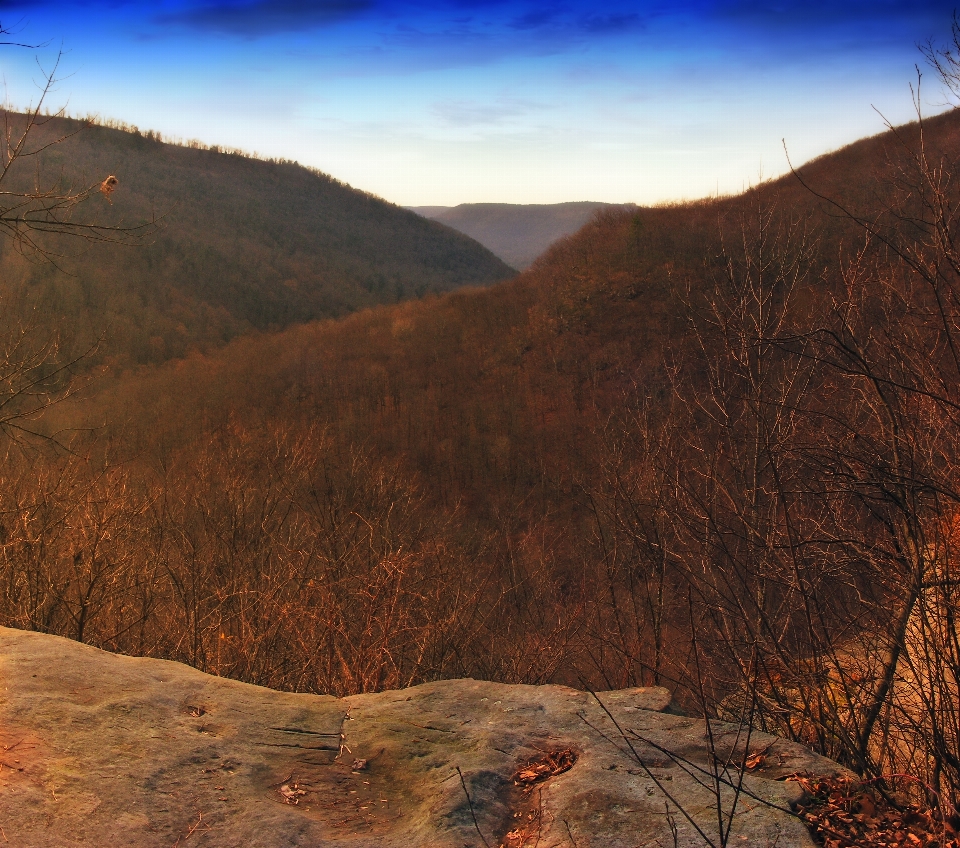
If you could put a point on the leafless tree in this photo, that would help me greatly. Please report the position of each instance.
(35, 206)
(40, 214)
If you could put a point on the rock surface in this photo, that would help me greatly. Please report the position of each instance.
(105, 750)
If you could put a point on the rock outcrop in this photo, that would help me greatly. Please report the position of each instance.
(105, 750)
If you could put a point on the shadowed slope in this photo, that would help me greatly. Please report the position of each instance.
(243, 244)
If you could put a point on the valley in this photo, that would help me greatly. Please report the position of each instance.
(718, 434)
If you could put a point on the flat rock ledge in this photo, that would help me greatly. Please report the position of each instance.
(104, 750)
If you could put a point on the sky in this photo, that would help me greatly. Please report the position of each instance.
(473, 101)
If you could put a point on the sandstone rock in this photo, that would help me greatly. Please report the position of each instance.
(105, 750)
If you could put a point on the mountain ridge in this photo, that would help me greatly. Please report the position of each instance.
(517, 233)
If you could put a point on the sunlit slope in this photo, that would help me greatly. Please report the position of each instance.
(243, 244)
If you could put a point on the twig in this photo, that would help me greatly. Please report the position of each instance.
(343, 736)
(199, 821)
(931, 792)
(476, 824)
(189, 833)
(683, 762)
(650, 774)
(672, 824)
(539, 817)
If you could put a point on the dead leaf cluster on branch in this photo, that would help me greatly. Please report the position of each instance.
(36, 204)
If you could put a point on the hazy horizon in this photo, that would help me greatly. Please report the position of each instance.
(481, 101)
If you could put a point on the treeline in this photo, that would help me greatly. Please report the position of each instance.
(156, 135)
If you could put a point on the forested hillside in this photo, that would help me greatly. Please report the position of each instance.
(517, 233)
(604, 318)
(710, 445)
(241, 244)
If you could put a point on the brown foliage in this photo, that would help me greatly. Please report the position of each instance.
(710, 446)
(850, 814)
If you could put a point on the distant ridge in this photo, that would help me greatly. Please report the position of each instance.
(517, 233)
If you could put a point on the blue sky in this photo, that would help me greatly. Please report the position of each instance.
(440, 103)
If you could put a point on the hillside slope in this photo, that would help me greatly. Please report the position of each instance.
(480, 391)
(517, 233)
(242, 244)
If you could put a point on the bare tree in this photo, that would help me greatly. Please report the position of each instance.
(823, 481)
(35, 206)
(40, 214)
